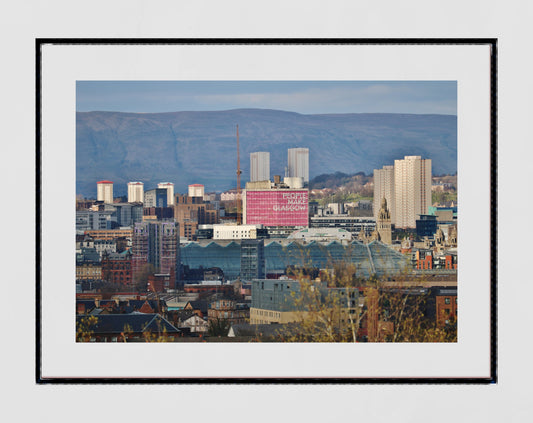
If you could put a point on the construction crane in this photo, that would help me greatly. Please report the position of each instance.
(239, 202)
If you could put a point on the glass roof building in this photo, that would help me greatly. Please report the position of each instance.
(373, 258)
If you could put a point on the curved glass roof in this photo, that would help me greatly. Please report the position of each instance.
(373, 258)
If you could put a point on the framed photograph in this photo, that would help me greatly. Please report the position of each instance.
(274, 211)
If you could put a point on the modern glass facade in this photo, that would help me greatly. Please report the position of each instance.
(227, 258)
(373, 258)
(156, 198)
(252, 259)
(426, 225)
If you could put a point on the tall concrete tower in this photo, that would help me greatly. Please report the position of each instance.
(104, 191)
(169, 186)
(298, 163)
(135, 192)
(412, 190)
(259, 166)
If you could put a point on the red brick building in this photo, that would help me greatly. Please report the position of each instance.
(211, 289)
(446, 306)
(161, 282)
(116, 268)
(228, 310)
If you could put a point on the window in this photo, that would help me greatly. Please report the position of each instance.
(446, 300)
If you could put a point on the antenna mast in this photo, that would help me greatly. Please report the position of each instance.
(239, 218)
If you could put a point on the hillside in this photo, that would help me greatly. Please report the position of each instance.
(200, 147)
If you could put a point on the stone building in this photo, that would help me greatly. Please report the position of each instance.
(383, 223)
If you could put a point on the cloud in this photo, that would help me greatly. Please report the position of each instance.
(297, 96)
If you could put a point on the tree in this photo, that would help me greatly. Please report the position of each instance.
(341, 307)
(140, 278)
(218, 327)
(84, 330)
(329, 309)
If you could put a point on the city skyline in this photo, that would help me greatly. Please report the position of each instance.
(237, 260)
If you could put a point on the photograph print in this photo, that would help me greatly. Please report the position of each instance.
(266, 211)
(239, 203)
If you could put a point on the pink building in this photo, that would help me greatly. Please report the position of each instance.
(276, 207)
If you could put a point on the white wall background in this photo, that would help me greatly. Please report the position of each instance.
(509, 21)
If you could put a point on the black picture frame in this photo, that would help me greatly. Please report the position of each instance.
(40, 379)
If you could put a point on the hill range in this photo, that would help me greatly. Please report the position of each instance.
(200, 147)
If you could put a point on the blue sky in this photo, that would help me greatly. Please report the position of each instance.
(306, 97)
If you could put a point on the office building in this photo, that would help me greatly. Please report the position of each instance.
(276, 207)
(158, 213)
(156, 243)
(298, 163)
(104, 191)
(157, 197)
(426, 225)
(169, 186)
(325, 234)
(135, 192)
(191, 211)
(276, 300)
(384, 189)
(259, 166)
(353, 224)
(125, 214)
(235, 231)
(95, 220)
(412, 190)
(252, 259)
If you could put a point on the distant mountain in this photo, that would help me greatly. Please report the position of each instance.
(200, 147)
